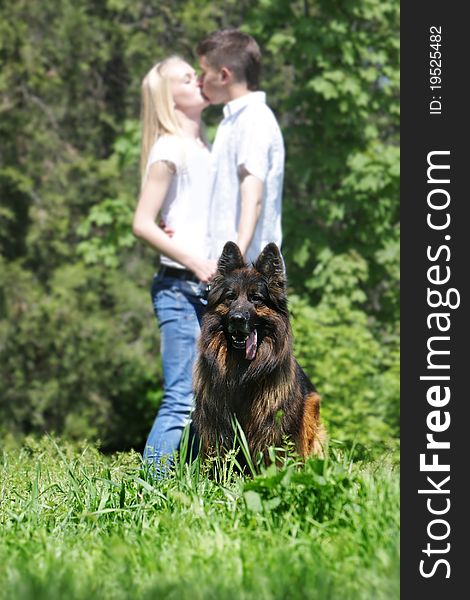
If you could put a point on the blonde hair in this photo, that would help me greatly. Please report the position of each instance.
(158, 115)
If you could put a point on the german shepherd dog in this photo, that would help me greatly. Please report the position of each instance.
(245, 365)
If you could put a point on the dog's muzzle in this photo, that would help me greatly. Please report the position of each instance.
(241, 336)
(239, 330)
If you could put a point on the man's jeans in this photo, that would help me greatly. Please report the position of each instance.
(179, 306)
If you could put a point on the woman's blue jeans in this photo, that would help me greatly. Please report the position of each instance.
(179, 306)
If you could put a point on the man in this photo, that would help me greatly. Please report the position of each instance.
(248, 151)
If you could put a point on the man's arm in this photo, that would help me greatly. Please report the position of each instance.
(251, 193)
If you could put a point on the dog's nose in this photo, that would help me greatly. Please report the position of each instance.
(240, 317)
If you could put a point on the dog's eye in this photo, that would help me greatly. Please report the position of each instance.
(257, 298)
(230, 296)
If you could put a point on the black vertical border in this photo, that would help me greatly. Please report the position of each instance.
(422, 133)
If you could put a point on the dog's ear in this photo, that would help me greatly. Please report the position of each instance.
(270, 264)
(230, 259)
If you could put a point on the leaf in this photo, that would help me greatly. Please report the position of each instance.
(253, 501)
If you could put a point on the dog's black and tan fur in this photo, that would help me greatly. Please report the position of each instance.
(245, 366)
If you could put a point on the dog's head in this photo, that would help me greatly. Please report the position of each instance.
(249, 301)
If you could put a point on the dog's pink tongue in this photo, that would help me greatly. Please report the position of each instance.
(251, 345)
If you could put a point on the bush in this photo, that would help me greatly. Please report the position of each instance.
(356, 372)
(80, 360)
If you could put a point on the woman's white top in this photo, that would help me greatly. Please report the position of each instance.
(186, 206)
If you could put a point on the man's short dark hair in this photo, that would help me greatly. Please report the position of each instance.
(235, 50)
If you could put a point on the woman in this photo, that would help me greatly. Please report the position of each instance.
(175, 171)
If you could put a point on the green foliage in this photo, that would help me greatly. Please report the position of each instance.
(328, 529)
(106, 228)
(112, 215)
(79, 360)
(356, 374)
(333, 75)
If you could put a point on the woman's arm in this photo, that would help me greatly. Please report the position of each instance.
(144, 226)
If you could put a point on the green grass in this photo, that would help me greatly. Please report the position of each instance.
(77, 524)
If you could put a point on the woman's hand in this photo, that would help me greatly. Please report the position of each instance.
(204, 269)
